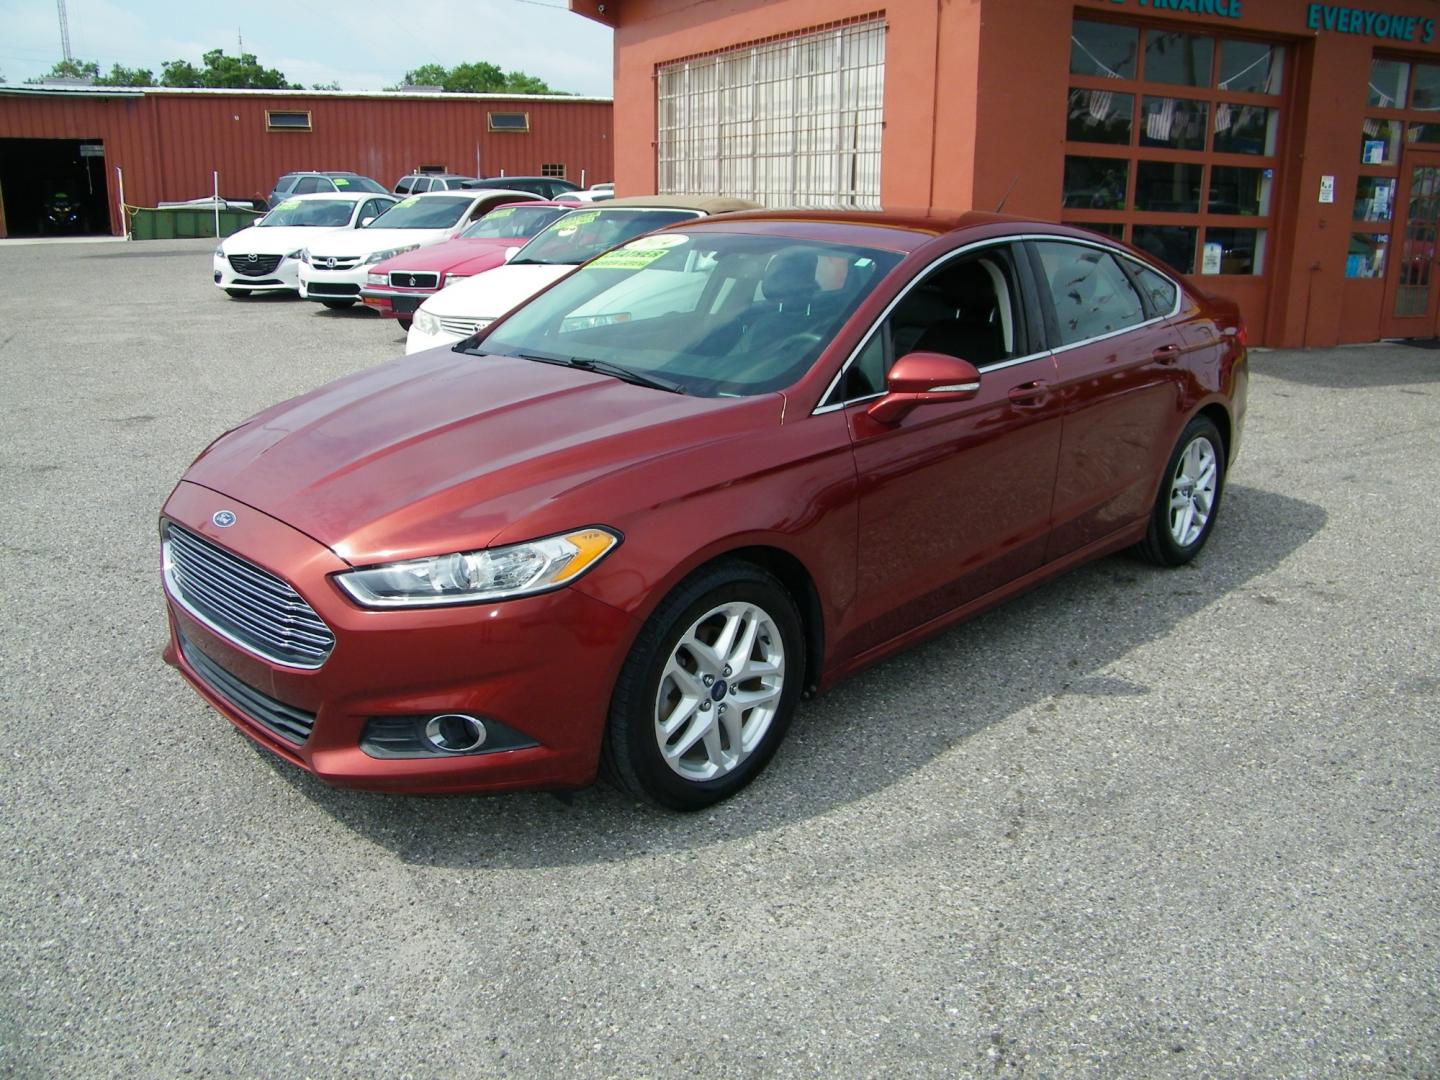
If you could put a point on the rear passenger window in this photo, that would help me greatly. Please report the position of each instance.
(1091, 294)
(307, 185)
(1160, 290)
(404, 186)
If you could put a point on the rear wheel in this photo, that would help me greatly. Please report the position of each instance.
(708, 690)
(338, 305)
(239, 294)
(1189, 497)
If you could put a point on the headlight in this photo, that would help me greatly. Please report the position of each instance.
(376, 279)
(297, 253)
(425, 323)
(305, 256)
(451, 279)
(389, 253)
(470, 577)
(220, 253)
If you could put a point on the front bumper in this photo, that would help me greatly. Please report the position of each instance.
(543, 666)
(284, 278)
(394, 303)
(322, 283)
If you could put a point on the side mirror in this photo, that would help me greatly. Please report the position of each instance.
(511, 252)
(924, 378)
(364, 221)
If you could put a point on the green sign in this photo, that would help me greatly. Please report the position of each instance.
(1375, 24)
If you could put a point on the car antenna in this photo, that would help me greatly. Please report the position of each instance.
(1008, 190)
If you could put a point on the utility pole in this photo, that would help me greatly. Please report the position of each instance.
(64, 31)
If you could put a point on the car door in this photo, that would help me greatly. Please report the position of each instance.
(954, 499)
(1118, 384)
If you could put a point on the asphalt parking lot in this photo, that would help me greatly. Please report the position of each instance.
(1136, 823)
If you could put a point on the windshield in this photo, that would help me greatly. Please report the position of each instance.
(583, 234)
(358, 183)
(712, 314)
(431, 212)
(322, 213)
(513, 222)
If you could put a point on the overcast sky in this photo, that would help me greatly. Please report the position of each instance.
(361, 44)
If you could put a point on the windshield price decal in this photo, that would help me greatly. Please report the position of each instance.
(504, 211)
(628, 259)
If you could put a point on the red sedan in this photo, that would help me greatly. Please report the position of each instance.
(715, 468)
(397, 286)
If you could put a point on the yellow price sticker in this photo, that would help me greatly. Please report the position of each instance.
(584, 217)
(504, 211)
(628, 259)
(411, 201)
(340, 181)
(288, 204)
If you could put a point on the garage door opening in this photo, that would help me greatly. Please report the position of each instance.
(54, 187)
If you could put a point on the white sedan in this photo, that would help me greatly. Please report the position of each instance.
(266, 256)
(457, 312)
(334, 268)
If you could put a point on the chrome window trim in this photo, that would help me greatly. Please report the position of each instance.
(1015, 361)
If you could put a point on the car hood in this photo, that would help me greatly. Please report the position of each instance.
(494, 292)
(449, 256)
(364, 241)
(277, 240)
(442, 451)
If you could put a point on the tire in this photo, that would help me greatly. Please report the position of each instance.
(1190, 489)
(729, 730)
(405, 324)
(338, 305)
(239, 294)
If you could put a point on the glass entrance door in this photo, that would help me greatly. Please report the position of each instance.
(1414, 285)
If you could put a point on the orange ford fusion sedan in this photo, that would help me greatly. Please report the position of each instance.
(734, 461)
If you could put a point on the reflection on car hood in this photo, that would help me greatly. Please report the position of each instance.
(364, 241)
(442, 450)
(278, 240)
(494, 292)
(448, 256)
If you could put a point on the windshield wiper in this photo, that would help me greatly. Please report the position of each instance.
(604, 367)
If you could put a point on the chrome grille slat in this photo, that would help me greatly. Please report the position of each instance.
(292, 724)
(463, 327)
(246, 573)
(254, 621)
(404, 279)
(244, 603)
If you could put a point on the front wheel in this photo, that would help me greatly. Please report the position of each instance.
(338, 305)
(1189, 497)
(708, 690)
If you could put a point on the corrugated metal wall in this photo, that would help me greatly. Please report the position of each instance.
(168, 144)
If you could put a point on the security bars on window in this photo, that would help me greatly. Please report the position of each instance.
(794, 122)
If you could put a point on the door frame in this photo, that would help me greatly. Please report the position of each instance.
(1426, 323)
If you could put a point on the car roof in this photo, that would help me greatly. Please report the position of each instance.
(321, 172)
(901, 230)
(706, 204)
(331, 196)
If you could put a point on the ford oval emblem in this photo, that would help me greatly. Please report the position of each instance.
(223, 518)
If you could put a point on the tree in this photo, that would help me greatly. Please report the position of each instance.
(241, 72)
(69, 69)
(326, 86)
(480, 77)
(123, 76)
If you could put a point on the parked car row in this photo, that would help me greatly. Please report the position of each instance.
(638, 506)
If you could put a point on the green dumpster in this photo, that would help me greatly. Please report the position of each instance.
(184, 223)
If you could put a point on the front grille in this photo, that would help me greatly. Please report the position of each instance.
(330, 288)
(255, 265)
(334, 262)
(463, 327)
(291, 724)
(405, 280)
(243, 603)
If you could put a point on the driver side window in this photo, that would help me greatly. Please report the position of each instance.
(968, 308)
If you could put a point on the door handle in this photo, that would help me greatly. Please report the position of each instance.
(1030, 395)
(1166, 354)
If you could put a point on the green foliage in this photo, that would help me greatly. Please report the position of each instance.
(481, 77)
(123, 76)
(326, 86)
(241, 72)
(69, 69)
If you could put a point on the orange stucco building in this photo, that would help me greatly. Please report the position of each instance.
(1285, 153)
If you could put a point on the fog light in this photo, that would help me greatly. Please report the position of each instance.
(455, 733)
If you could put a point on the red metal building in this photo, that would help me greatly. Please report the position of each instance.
(166, 144)
(1284, 152)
